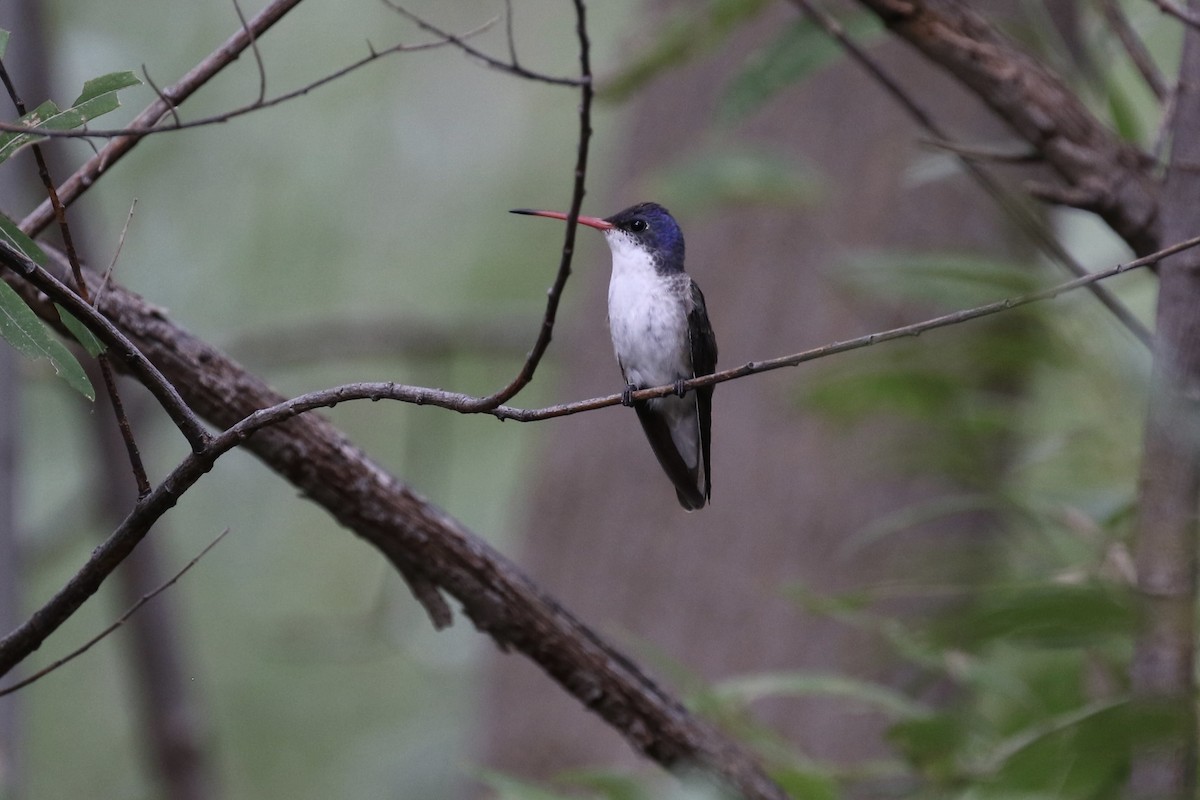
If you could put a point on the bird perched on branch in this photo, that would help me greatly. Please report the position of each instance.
(662, 336)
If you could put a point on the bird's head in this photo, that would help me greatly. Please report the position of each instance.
(646, 226)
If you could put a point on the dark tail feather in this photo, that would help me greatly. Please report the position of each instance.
(685, 479)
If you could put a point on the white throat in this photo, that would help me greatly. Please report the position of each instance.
(646, 317)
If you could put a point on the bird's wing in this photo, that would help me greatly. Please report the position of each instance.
(704, 362)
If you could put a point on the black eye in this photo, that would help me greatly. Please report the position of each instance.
(638, 225)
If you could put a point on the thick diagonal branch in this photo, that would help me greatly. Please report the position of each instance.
(427, 544)
(172, 96)
(1100, 172)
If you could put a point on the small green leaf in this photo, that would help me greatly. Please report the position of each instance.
(99, 97)
(931, 743)
(106, 84)
(807, 784)
(1125, 115)
(736, 176)
(794, 684)
(3, 42)
(11, 233)
(21, 328)
(1053, 615)
(508, 788)
(681, 38)
(80, 331)
(11, 142)
(800, 51)
(611, 785)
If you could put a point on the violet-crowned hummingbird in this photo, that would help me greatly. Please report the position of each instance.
(661, 335)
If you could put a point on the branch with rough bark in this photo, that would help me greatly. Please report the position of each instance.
(1104, 175)
(1099, 172)
(430, 548)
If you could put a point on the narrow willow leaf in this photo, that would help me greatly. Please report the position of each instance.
(611, 785)
(80, 331)
(106, 84)
(3, 42)
(808, 784)
(800, 51)
(99, 97)
(736, 176)
(1124, 113)
(509, 788)
(796, 684)
(21, 328)
(11, 142)
(13, 235)
(680, 39)
(1049, 615)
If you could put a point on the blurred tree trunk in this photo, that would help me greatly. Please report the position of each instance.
(169, 717)
(26, 63)
(11, 727)
(172, 724)
(705, 591)
(1164, 662)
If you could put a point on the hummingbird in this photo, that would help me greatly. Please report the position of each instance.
(661, 335)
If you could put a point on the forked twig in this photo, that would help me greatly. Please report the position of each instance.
(1033, 227)
(146, 598)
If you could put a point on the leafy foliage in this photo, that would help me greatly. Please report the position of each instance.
(745, 176)
(11, 233)
(21, 328)
(797, 53)
(684, 36)
(99, 96)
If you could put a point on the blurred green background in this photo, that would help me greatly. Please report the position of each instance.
(380, 201)
(380, 198)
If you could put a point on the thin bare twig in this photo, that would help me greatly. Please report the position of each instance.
(162, 98)
(226, 116)
(554, 295)
(1112, 176)
(416, 538)
(1178, 12)
(408, 543)
(510, 35)
(258, 59)
(116, 254)
(60, 215)
(108, 555)
(466, 404)
(1135, 48)
(90, 643)
(977, 153)
(213, 63)
(1035, 228)
(504, 66)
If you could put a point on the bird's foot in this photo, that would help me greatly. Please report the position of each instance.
(627, 395)
(680, 389)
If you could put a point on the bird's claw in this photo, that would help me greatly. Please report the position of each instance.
(627, 395)
(680, 389)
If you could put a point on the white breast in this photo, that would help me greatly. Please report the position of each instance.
(647, 321)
